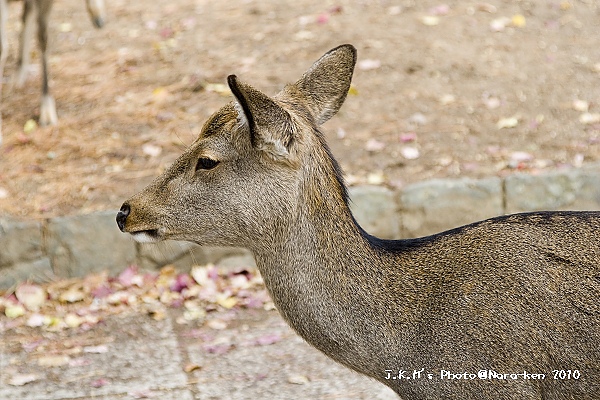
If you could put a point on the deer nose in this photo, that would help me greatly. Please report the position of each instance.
(122, 216)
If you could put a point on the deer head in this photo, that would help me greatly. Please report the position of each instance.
(243, 178)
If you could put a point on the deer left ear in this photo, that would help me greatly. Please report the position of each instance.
(326, 83)
(269, 125)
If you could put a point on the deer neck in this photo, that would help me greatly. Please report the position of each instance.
(324, 276)
(320, 234)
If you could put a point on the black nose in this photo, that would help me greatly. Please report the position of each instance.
(122, 216)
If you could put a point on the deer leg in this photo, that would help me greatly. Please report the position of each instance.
(47, 108)
(25, 43)
(3, 52)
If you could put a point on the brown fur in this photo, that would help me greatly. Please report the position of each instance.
(510, 294)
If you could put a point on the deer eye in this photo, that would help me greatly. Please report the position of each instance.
(206, 163)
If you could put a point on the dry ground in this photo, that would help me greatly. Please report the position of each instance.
(441, 90)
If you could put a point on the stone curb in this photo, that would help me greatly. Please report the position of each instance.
(78, 245)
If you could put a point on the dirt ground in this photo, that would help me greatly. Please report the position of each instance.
(441, 90)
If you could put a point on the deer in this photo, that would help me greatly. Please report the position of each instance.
(38, 12)
(504, 308)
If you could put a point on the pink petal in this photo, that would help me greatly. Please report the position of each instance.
(98, 383)
(126, 277)
(267, 339)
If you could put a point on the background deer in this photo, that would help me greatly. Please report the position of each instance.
(38, 12)
(517, 294)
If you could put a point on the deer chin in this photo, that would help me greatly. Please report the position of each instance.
(147, 236)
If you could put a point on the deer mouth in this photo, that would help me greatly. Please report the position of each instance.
(147, 236)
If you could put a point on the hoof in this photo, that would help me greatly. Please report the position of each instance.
(48, 112)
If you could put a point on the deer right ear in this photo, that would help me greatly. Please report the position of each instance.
(326, 83)
(269, 125)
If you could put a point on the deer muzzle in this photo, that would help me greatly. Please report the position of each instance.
(140, 233)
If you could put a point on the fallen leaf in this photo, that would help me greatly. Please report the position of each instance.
(200, 274)
(499, 24)
(518, 20)
(30, 126)
(22, 379)
(267, 339)
(151, 150)
(217, 348)
(589, 118)
(35, 320)
(447, 99)
(217, 324)
(65, 27)
(73, 320)
(486, 7)
(580, 105)
(53, 361)
(238, 282)
(189, 367)
(565, 5)
(160, 94)
(410, 153)
(129, 276)
(521, 156)
(181, 281)
(79, 362)
(408, 137)
(297, 379)
(394, 10)
(323, 18)
(193, 312)
(96, 349)
(226, 301)
(429, 20)
(72, 295)
(507, 123)
(441, 9)
(304, 35)
(375, 178)
(102, 291)
(374, 145)
(98, 383)
(31, 296)
(14, 311)
(367, 64)
(491, 102)
(418, 119)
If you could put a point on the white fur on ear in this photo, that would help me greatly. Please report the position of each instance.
(275, 148)
(241, 115)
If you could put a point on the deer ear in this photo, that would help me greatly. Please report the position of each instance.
(326, 83)
(270, 126)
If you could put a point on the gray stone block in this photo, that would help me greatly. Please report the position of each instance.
(79, 245)
(157, 255)
(184, 255)
(437, 205)
(375, 209)
(36, 271)
(242, 260)
(20, 241)
(574, 189)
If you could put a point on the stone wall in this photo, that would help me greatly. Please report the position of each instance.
(77, 245)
